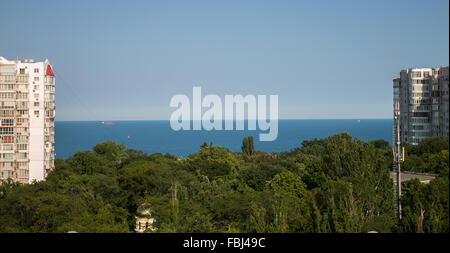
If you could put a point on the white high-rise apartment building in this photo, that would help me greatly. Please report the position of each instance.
(421, 99)
(27, 114)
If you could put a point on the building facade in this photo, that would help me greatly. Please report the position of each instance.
(27, 115)
(144, 219)
(421, 103)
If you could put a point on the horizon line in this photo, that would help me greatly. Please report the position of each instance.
(224, 120)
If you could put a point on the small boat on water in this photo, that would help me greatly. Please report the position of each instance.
(107, 123)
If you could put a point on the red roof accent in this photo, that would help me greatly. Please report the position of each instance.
(49, 71)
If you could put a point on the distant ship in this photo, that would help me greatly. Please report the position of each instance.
(359, 121)
(107, 123)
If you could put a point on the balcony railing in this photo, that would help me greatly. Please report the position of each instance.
(8, 78)
(49, 124)
(22, 78)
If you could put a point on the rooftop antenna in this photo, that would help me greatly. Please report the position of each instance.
(399, 156)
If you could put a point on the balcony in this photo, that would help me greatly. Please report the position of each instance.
(23, 180)
(21, 97)
(22, 124)
(50, 139)
(7, 159)
(7, 79)
(9, 99)
(22, 79)
(21, 167)
(49, 124)
(6, 173)
(49, 80)
(48, 168)
(49, 133)
(22, 159)
(22, 132)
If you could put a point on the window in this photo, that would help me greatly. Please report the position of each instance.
(7, 122)
(7, 147)
(7, 173)
(419, 81)
(36, 70)
(21, 155)
(22, 95)
(49, 96)
(36, 103)
(22, 120)
(36, 87)
(49, 79)
(21, 139)
(8, 78)
(7, 104)
(21, 129)
(22, 71)
(22, 86)
(22, 173)
(22, 105)
(22, 146)
(36, 95)
(22, 79)
(6, 130)
(7, 139)
(6, 113)
(7, 95)
(416, 74)
(36, 78)
(22, 112)
(7, 156)
(7, 165)
(49, 113)
(36, 113)
(6, 86)
(22, 164)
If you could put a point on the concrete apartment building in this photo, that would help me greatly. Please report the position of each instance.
(421, 100)
(27, 114)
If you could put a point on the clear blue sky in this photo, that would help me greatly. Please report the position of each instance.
(325, 59)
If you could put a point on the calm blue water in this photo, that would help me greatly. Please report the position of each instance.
(158, 137)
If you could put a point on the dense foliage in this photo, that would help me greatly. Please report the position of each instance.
(336, 184)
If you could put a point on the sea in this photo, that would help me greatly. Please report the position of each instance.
(156, 136)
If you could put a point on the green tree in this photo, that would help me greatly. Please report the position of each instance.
(213, 161)
(248, 146)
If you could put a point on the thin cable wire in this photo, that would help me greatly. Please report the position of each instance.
(91, 115)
